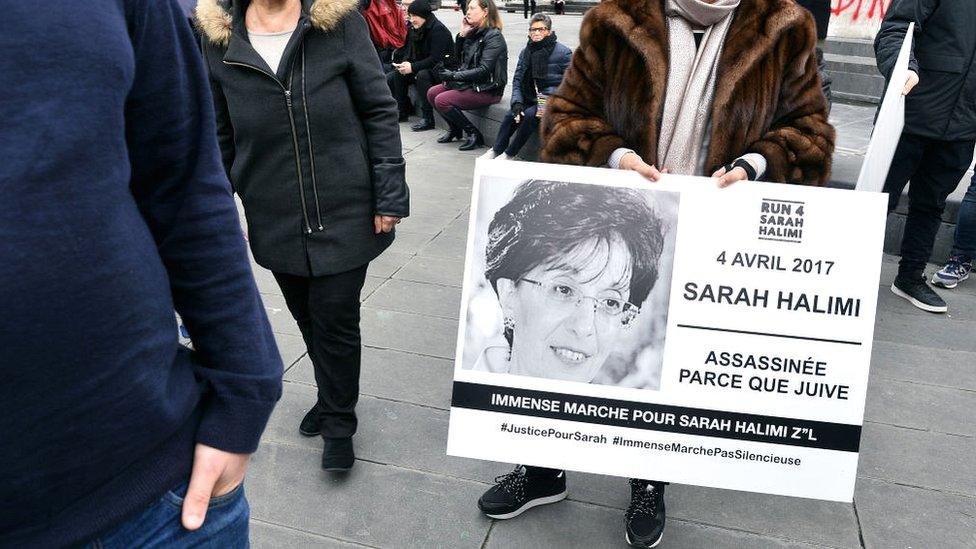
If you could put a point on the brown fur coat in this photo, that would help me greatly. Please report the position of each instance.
(767, 97)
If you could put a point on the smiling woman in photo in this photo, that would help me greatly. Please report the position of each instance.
(570, 265)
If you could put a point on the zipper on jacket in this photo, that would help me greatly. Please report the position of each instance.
(311, 150)
(294, 137)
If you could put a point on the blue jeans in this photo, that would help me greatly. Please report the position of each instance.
(225, 525)
(522, 131)
(965, 239)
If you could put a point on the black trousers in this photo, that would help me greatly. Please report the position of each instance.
(527, 8)
(399, 84)
(935, 168)
(327, 311)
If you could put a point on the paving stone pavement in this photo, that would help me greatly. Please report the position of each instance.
(916, 487)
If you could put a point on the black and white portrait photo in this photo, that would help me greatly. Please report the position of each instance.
(569, 281)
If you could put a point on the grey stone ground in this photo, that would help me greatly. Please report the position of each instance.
(916, 486)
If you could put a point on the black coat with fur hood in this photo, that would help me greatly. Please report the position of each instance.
(313, 149)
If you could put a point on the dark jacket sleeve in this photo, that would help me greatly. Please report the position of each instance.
(440, 47)
(378, 112)
(799, 145)
(517, 97)
(888, 41)
(225, 130)
(182, 192)
(493, 50)
(562, 56)
(574, 129)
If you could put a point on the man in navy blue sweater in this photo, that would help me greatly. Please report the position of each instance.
(114, 211)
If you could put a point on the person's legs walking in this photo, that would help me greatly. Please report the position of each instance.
(336, 354)
(960, 262)
(526, 128)
(903, 165)
(942, 166)
(295, 290)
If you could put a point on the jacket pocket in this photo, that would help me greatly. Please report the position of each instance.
(943, 63)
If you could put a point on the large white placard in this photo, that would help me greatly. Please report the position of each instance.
(888, 125)
(670, 331)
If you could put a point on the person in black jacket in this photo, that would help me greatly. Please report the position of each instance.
(309, 136)
(480, 80)
(936, 146)
(539, 72)
(428, 47)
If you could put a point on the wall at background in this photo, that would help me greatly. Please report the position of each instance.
(856, 18)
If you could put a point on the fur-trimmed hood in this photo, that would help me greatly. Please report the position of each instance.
(215, 20)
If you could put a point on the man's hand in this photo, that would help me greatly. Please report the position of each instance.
(405, 68)
(631, 161)
(910, 82)
(384, 223)
(726, 179)
(214, 473)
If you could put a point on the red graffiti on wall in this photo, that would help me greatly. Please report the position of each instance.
(859, 10)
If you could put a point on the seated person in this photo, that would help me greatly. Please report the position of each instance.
(429, 44)
(539, 71)
(481, 77)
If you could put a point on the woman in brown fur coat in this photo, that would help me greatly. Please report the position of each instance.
(763, 89)
(726, 88)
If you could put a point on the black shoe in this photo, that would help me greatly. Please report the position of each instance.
(309, 427)
(518, 492)
(426, 124)
(645, 516)
(449, 135)
(337, 456)
(404, 116)
(917, 292)
(473, 140)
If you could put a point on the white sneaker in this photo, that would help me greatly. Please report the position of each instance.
(503, 156)
(490, 154)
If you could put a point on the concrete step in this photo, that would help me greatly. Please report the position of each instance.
(854, 78)
(849, 46)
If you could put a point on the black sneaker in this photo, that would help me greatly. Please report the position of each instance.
(645, 516)
(337, 456)
(309, 427)
(918, 293)
(517, 492)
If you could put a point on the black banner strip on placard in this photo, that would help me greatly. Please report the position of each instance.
(769, 334)
(710, 423)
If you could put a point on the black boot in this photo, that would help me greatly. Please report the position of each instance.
(456, 120)
(449, 135)
(427, 123)
(338, 455)
(473, 139)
